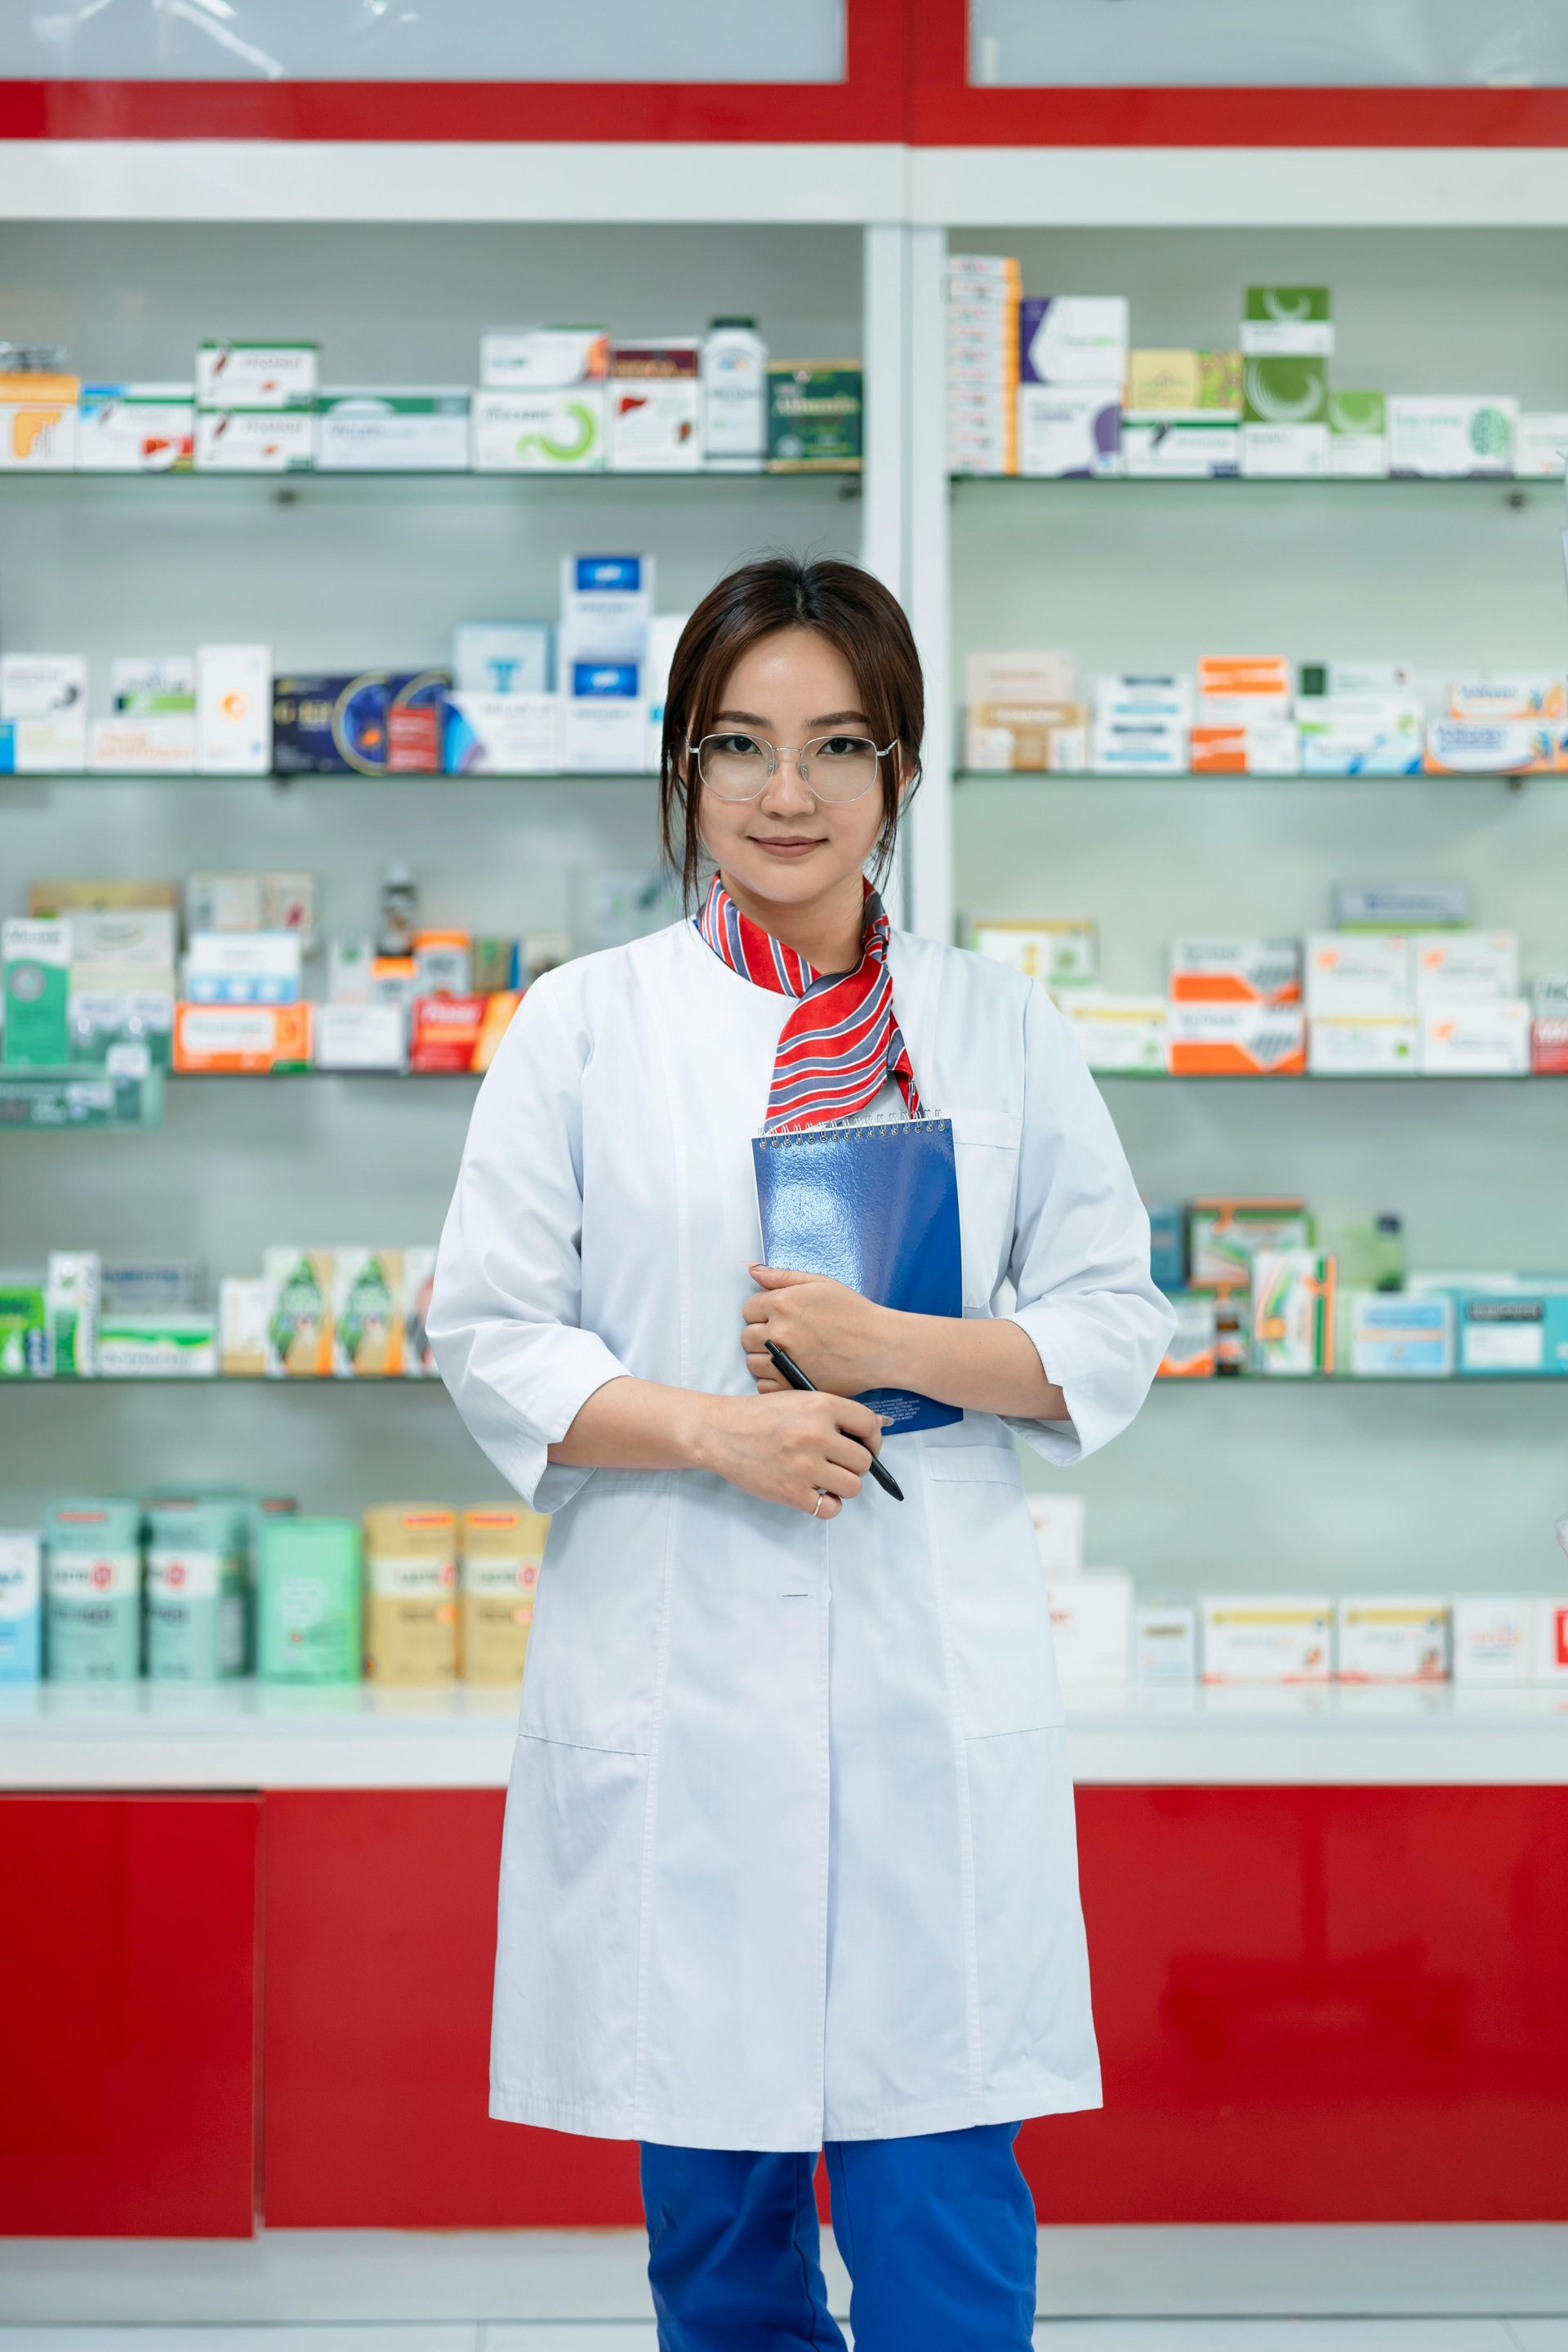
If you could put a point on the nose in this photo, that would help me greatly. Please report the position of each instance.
(786, 792)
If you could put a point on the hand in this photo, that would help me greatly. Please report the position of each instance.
(809, 1452)
(838, 1338)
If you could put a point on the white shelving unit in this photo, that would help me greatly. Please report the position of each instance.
(397, 259)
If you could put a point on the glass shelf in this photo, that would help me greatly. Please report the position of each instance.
(1319, 485)
(1339, 1381)
(1328, 1077)
(452, 478)
(329, 776)
(973, 778)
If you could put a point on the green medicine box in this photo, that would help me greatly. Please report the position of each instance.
(815, 409)
(37, 956)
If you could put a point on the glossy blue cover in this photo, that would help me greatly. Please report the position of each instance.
(877, 1208)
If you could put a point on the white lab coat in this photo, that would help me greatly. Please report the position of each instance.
(789, 1849)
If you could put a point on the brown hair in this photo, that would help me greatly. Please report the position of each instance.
(863, 620)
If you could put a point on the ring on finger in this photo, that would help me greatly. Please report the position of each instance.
(821, 1499)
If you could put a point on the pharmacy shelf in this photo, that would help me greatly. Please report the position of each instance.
(460, 480)
(1322, 1078)
(1270, 780)
(74, 1387)
(284, 782)
(244, 1735)
(1516, 488)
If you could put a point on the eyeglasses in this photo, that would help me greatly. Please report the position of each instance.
(832, 768)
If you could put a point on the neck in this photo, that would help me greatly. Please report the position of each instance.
(827, 930)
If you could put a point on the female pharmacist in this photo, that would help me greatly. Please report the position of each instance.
(778, 1874)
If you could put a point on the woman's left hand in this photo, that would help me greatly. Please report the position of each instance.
(838, 1339)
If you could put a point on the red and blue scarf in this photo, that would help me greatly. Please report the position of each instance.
(842, 1042)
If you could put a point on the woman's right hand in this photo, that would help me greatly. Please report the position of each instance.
(802, 1448)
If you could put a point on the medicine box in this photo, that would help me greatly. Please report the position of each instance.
(1366, 736)
(234, 709)
(38, 422)
(605, 722)
(1250, 1041)
(1266, 675)
(1539, 696)
(1293, 1312)
(1191, 1349)
(174, 1343)
(369, 1313)
(1362, 1045)
(538, 431)
(1156, 747)
(503, 735)
(1091, 1624)
(1025, 738)
(1291, 320)
(1126, 1034)
(1065, 430)
(1549, 1045)
(1234, 971)
(1165, 1642)
(1187, 386)
(1287, 394)
(1521, 1331)
(1143, 698)
(21, 1605)
(1402, 906)
(256, 375)
(543, 359)
(1539, 440)
(1359, 972)
(1495, 747)
(1550, 1663)
(1494, 1639)
(360, 1037)
(813, 417)
(654, 405)
(1295, 452)
(35, 955)
(136, 428)
(1181, 451)
(1167, 1244)
(43, 685)
(1073, 339)
(1223, 1235)
(1058, 1522)
(1443, 435)
(242, 968)
(1047, 676)
(1397, 1335)
(1358, 433)
(393, 428)
(161, 744)
(1469, 968)
(330, 725)
(1243, 748)
(1477, 1040)
(501, 657)
(1251, 1639)
(254, 441)
(1393, 1640)
(607, 604)
(1060, 951)
(242, 1040)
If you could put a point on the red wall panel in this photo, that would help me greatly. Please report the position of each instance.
(1320, 2005)
(380, 1946)
(127, 1992)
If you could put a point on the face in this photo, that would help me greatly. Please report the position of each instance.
(786, 848)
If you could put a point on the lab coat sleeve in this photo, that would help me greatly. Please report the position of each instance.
(1080, 1249)
(504, 1320)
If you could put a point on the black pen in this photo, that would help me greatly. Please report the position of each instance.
(797, 1380)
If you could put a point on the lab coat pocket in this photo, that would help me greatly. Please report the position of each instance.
(997, 1617)
(592, 1676)
(986, 1147)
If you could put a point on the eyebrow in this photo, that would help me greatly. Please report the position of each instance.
(829, 718)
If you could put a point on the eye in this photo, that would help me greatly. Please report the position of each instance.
(842, 747)
(736, 747)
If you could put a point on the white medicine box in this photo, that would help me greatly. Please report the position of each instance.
(1091, 1622)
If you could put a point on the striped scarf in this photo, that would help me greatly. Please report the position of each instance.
(842, 1042)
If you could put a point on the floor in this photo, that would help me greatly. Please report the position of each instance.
(1420, 2334)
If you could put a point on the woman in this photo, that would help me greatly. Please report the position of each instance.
(777, 1873)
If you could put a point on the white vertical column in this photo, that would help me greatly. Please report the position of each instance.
(885, 331)
(928, 832)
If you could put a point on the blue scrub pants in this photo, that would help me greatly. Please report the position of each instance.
(937, 2233)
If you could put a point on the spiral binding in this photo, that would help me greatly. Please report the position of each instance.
(878, 1127)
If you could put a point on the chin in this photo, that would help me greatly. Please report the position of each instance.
(788, 883)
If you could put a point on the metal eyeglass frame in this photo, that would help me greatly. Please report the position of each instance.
(795, 751)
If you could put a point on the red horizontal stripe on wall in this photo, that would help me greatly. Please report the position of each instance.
(485, 112)
(953, 115)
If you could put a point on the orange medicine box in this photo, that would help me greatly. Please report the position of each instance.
(1234, 971)
(242, 1040)
(1241, 1041)
(1259, 674)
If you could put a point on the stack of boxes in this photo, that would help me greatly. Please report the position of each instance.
(1443, 1001)
(1072, 353)
(1287, 340)
(1183, 415)
(982, 299)
(1234, 1008)
(255, 407)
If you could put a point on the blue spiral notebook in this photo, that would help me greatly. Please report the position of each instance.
(876, 1208)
